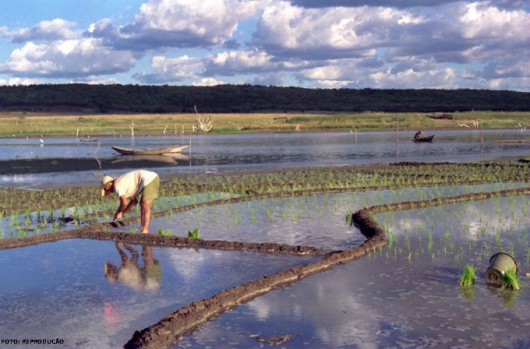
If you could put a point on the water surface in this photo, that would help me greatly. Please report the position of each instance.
(57, 161)
(60, 290)
(404, 295)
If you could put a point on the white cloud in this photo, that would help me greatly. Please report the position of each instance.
(508, 68)
(361, 3)
(185, 23)
(409, 78)
(57, 29)
(333, 83)
(517, 84)
(207, 82)
(227, 63)
(19, 81)
(81, 57)
(242, 58)
(278, 78)
(466, 33)
(481, 21)
(234, 62)
(4, 31)
(491, 22)
(328, 72)
(95, 80)
(332, 32)
(494, 32)
(335, 43)
(180, 68)
(173, 69)
(403, 3)
(372, 73)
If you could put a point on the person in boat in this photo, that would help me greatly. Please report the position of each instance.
(139, 186)
(419, 135)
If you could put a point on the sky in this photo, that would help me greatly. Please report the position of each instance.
(441, 44)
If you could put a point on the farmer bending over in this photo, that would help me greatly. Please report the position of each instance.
(133, 187)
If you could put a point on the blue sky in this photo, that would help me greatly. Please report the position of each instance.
(307, 43)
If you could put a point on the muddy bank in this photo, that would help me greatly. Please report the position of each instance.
(96, 232)
(409, 205)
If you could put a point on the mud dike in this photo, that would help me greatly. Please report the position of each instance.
(184, 320)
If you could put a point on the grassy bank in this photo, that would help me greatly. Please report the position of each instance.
(28, 125)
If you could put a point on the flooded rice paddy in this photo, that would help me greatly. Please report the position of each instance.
(61, 290)
(316, 220)
(96, 294)
(404, 295)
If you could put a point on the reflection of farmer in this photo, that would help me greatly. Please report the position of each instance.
(133, 187)
(149, 276)
(110, 311)
(419, 135)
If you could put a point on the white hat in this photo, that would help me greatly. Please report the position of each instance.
(106, 180)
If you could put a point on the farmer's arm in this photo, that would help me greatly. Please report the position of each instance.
(125, 206)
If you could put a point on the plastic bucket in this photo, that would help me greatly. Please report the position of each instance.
(499, 264)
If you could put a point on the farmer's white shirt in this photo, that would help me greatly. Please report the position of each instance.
(131, 183)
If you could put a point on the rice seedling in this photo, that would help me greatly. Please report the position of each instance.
(193, 234)
(509, 280)
(468, 276)
(348, 218)
(391, 237)
(164, 232)
(498, 238)
(430, 242)
(460, 254)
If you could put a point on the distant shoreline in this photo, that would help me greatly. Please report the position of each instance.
(29, 125)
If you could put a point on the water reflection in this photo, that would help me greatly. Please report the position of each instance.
(57, 289)
(468, 292)
(405, 293)
(377, 302)
(145, 277)
(507, 296)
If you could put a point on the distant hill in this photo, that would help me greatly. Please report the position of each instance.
(85, 98)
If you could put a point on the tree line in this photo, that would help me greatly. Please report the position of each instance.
(85, 98)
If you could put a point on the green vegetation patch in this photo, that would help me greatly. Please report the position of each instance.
(277, 183)
(22, 124)
(468, 276)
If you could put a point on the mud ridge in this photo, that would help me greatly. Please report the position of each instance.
(409, 205)
(94, 233)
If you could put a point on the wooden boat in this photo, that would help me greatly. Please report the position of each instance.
(152, 151)
(424, 139)
(171, 159)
